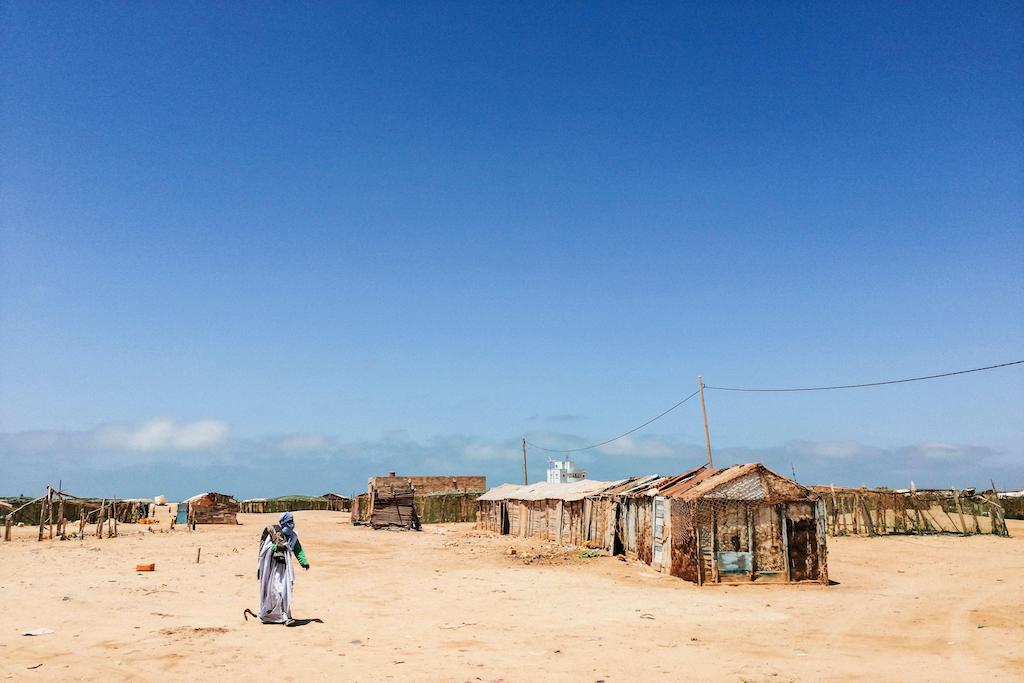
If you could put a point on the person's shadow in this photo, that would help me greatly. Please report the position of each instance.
(302, 622)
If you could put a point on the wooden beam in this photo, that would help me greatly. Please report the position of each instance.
(867, 514)
(42, 512)
(959, 510)
(785, 539)
(714, 547)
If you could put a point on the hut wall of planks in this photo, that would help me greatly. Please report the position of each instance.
(391, 506)
(212, 508)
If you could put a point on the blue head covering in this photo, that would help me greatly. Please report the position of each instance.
(288, 529)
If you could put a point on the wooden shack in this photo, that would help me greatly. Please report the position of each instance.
(391, 505)
(212, 508)
(745, 523)
(545, 510)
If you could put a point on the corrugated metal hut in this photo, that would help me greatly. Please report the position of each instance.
(546, 510)
(629, 519)
(745, 523)
(212, 508)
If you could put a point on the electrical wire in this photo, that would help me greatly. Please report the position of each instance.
(603, 443)
(786, 389)
(868, 384)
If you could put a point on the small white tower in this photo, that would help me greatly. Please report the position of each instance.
(564, 472)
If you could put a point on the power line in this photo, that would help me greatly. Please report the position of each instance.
(869, 384)
(603, 443)
(786, 389)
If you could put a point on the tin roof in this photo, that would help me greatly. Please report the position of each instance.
(752, 481)
(576, 490)
(199, 496)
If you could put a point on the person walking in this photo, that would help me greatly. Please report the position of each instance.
(275, 571)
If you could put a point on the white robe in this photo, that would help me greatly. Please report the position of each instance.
(276, 582)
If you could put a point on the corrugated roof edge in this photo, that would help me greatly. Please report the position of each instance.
(546, 491)
(709, 483)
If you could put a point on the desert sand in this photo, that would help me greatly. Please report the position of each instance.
(449, 604)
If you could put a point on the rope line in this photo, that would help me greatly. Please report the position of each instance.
(869, 384)
(616, 438)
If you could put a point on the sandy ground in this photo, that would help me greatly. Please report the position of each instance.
(449, 604)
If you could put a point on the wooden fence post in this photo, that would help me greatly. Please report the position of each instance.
(959, 510)
(49, 512)
(42, 512)
(100, 519)
(60, 519)
(867, 514)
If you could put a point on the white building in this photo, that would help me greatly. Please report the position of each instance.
(564, 472)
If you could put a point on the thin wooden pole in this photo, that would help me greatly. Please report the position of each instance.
(997, 514)
(42, 512)
(49, 511)
(714, 547)
(785, 540)
(60, 519)
(868, 523)
(959, 510)
(704, 410)
(525, 478)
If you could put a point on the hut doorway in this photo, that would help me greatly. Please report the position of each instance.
(617, 547)
(802, 542)
(658, 530)
(503, 512)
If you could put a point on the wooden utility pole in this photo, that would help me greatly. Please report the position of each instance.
(525, 480)
(704, 410)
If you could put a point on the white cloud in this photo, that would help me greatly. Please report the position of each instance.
(163, 434)
(302, 443)
(26, 457)
(832, 449)
(644, 447)
(944, 450)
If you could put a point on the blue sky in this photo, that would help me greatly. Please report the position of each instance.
(250, 244)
